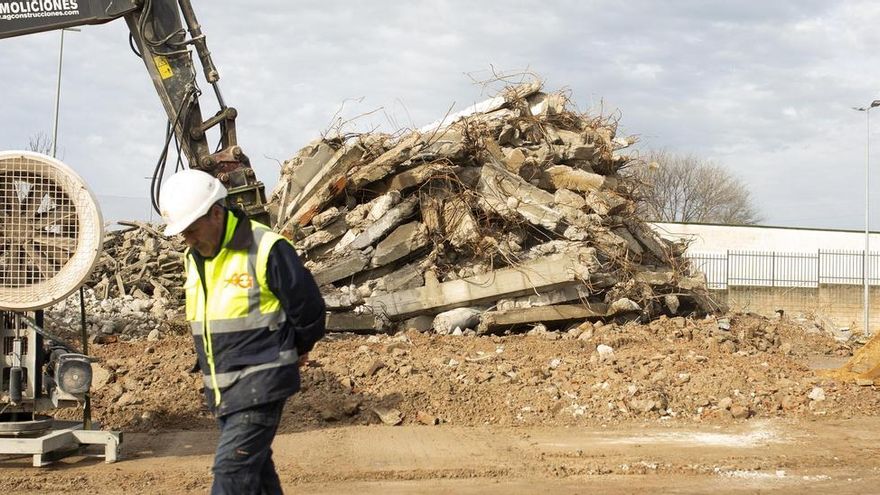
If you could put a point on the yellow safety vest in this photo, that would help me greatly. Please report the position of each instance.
(233, 314)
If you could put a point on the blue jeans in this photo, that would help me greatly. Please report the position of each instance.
(243, 462)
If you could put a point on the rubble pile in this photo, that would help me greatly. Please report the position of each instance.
(510, 213)
(135, 290)
(139, 261)
(112, 319)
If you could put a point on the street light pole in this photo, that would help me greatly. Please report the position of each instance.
(58, 93)
(866, 257)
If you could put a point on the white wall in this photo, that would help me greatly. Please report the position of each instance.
(721, 238)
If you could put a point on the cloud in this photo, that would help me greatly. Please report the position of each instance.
(764, 88)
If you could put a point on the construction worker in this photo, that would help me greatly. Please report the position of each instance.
(255, 313)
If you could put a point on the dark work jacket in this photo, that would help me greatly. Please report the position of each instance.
(303, 305)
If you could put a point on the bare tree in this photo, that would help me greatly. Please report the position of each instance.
(685, 188)
(41, 143)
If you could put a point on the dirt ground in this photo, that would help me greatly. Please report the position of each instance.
(677, 406)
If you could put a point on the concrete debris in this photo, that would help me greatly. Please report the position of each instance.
(515, 197)
(139, 261)
(556, 314)
(623, 305)
(112, 319)
(740, 412)
(447, 321)
(606, 353)
(427, 419)
(391, 417)
(515, 205)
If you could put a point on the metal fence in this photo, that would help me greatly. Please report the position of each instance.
(774, 269)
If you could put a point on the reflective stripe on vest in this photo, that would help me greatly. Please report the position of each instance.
(272, 320)
(238, 300)
(224, 380)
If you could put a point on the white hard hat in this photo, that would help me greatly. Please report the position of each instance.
(186, 196)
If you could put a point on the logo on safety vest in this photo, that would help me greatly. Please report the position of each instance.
(241, 280)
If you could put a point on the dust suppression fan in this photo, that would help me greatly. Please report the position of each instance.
(51, 235)
(51, 231)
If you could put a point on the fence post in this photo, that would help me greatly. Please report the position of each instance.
(773, 269)
(819, 268)
(727, 270)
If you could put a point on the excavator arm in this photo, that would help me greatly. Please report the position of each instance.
(164, 44)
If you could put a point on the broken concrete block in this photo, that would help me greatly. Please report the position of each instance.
(405, 240)
(344, 268)
(573, 292)
(610, 244)
(341, 300)
(563, 177)
(387, 162)
(408, 277)
(514, 159)
(623, 305)
(427, 419)
(302, 168)
(419, 175)
(327, 217)
(631, 243)
(381, 205)
(383, 225)
(672, 303)
(389, 416)
(324, 186)
(542, 273)
(560, 313)
(508, 195)
(647, 238)
(459, 226)
(447, 145)
(333, 231)
(654, 278)
(447, 321)
(544, 104)
(586, 152)
(606, 203)
(350, 322)
(574, 233)
(606, 352)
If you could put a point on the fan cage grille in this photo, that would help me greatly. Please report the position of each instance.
(50, 234)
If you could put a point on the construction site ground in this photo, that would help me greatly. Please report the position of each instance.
(677, 406)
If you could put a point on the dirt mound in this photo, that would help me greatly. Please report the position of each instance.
(672, 369)
(864, 367)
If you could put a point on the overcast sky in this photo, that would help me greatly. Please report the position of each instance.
(763, 88)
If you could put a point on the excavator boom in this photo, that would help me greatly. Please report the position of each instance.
(163, 42)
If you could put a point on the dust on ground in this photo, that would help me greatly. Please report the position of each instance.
(678, 405)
